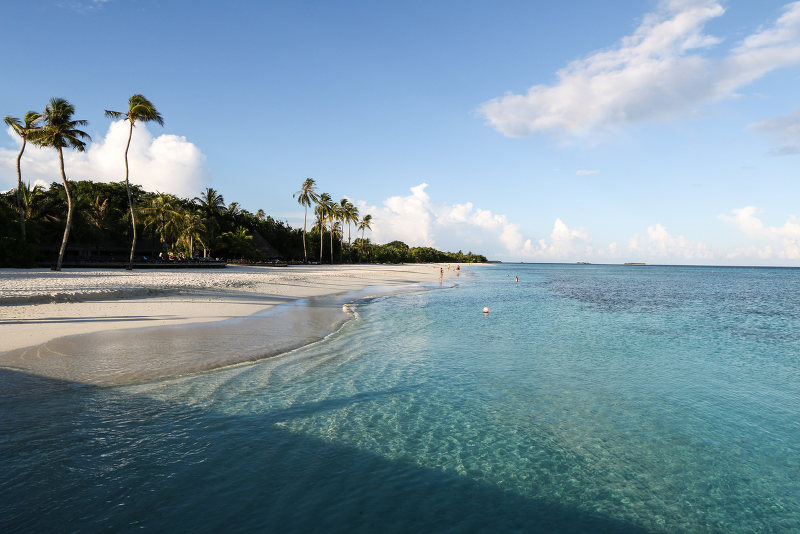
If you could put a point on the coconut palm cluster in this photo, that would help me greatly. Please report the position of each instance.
(331, 216)
(56, 128)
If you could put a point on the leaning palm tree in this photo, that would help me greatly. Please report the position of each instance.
(61, 131)
(365, 224)
(139, 109)
(23, 130)
(306, 195)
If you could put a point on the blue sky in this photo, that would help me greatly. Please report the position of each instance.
(665, 132)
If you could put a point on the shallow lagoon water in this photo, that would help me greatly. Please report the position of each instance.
(616, 398)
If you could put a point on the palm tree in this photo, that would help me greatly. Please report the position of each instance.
(192, 229)
(240, 242)
(334, 215)
(342, 219)
(306, 195)
(162, 214)
(139, 109)
(350, 215)
(323, 206)
(32, 200)
(97, 215)
(211, 204)
(338, 233)
(60, 131)
(365, 224)
(22, 130)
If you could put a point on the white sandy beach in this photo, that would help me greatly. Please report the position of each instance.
(39, 307)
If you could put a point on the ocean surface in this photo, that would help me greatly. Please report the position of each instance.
(590, 398)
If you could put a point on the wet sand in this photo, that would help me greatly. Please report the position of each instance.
(96, 327)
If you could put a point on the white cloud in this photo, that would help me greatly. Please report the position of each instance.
(785, 130)
(418, 221)
(586, 172)
(774, 242)
(659, 244)
(564, 244)
(658, 72)
(167, 163)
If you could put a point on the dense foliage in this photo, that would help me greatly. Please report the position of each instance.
(202, 226)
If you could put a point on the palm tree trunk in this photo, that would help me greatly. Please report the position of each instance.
(305, 254)
(331, 241)
(69, 212)
(130, 199)
(19, 189)
(361, 248)
(321, 233)
(162, 231)
(349, 245)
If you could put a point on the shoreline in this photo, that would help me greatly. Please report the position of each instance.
(109, 328)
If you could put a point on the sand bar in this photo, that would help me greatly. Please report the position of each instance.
(96, 326)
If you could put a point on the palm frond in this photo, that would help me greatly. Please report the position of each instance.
(15, 124)
(60, 130)
(141, 109)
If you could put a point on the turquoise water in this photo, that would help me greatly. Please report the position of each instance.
(591, 398)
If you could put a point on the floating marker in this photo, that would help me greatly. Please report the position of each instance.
(486, 309)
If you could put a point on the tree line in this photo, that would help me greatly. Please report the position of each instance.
(102, 217)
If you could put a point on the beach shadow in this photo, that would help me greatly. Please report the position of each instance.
(121, 318)
(82, 458)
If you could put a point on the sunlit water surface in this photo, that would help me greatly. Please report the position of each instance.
(639, 399)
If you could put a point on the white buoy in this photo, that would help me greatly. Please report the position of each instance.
(486, 309)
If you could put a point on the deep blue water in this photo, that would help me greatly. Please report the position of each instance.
(591, 398)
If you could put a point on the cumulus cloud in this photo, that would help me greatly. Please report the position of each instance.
(659, 244)
(404, 218)
(167, 163)
(657, 72)
(785, 130)
(418, 221)
(564, 244)
(774, 242)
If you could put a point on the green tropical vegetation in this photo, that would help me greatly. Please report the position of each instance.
(119, 222)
